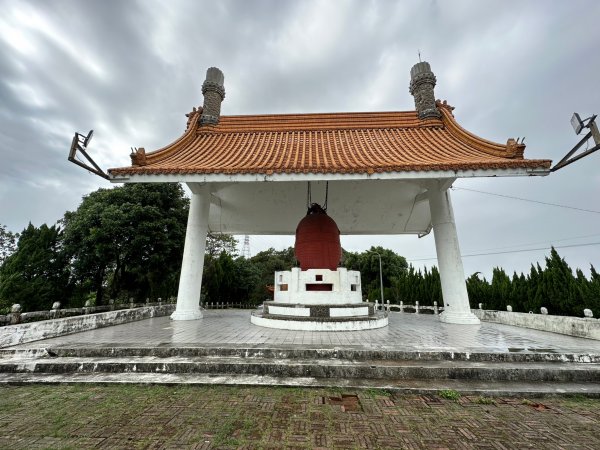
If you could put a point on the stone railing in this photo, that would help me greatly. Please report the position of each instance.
(17, 317)
(28, 332)
(586, 327)
(227, 305)
(408, 308)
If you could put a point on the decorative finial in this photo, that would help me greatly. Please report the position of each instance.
(422, 82)
(214, 93)
(419, 52)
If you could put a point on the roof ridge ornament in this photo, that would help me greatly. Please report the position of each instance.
(191, 116)
(138, 156)
(514, 148)
(213, 90)
(444, 104)
(422, 82)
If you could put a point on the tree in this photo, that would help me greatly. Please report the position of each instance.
(265, 264)
(216, 243)
(478, 290)
(518, 292)
(36, 274)
(558, 290)
(128, 240)
(592, 300)
(392, 266)
(218, 278)
(8, 243)
(499, 293)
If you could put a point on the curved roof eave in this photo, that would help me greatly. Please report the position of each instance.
(290, 147)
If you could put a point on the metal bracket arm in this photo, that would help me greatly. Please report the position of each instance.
(569, 158)
(80, 143)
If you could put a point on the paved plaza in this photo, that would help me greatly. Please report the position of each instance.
(406, 332)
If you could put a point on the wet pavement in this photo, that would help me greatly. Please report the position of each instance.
(406, 332)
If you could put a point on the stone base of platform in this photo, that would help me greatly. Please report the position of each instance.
(321, 310)
(307, 323)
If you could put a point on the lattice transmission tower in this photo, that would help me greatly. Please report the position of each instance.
(246, 247)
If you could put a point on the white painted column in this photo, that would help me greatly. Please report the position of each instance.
(452, 274)
(190, 280)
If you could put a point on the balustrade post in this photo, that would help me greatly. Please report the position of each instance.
(15, 314)
(55, 308)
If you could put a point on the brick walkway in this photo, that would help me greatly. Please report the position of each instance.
(159, 417)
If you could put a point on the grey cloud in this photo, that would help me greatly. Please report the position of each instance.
(511, 68)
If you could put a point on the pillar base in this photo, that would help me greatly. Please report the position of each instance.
(462, 318)
(187, 315)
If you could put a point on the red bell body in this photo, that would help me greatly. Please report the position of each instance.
(318, 241)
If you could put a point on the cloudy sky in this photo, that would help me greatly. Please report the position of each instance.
(131, 70)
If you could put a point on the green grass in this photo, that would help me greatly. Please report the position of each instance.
(449, 394)
(485, 401)
(225, 434)
(371, 392)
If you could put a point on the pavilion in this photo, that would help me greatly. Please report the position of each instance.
(387, 173)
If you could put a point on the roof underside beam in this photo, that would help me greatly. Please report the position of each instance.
(283, 177)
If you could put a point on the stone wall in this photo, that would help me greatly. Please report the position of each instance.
(17, 317)
(29, 332)
(572, 326)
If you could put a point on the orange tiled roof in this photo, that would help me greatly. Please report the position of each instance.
(329, 143)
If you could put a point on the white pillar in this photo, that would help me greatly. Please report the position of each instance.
(190, 280)
(452, 274)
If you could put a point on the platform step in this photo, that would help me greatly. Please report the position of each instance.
(514, 356)
(421, 387)
(318, 368)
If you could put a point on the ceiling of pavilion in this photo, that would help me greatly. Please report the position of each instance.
(358, 207)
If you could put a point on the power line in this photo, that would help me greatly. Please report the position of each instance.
(528, 200)
(514, 251)
(541, 242)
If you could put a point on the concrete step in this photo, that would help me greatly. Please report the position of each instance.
(423, 387)
(339, 369)
(515, 355)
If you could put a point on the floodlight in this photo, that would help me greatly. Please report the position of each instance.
(577, 123)
(88, 138)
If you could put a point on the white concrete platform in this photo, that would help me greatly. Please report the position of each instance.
(406, 332)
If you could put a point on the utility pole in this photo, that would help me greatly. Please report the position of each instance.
(380, 280)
